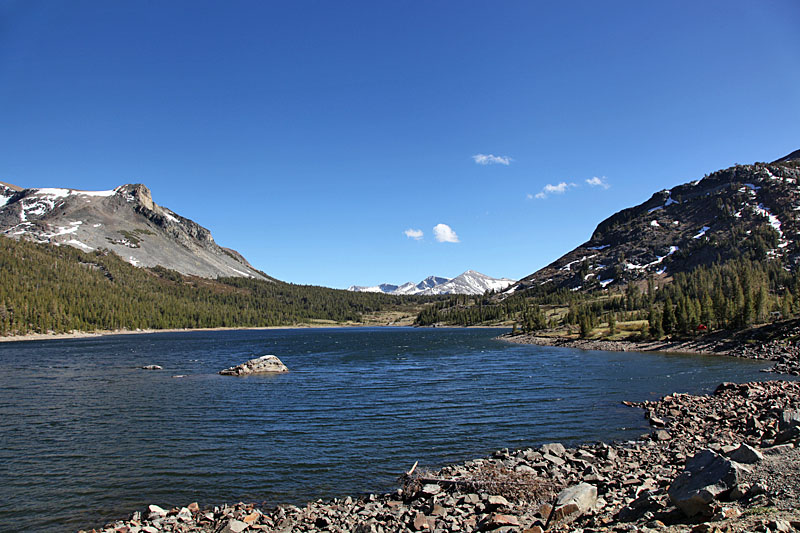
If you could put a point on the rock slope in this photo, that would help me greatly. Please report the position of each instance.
(124, 220)
(738, 445)
(742, 209)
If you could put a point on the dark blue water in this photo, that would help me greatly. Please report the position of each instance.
(87, 436)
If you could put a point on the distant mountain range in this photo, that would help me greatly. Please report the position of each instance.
(124, 220)
(745, 211)
(470, 282)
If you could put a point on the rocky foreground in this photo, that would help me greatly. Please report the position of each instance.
(727, 462)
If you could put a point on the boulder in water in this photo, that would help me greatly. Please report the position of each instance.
(266, 364)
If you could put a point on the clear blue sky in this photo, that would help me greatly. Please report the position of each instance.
(311, 135)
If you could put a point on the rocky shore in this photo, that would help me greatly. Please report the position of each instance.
(726, 462)
(772, 342)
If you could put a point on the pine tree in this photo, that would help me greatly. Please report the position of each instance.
(668, 319)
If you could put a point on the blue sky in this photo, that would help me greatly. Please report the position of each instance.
(311, 136)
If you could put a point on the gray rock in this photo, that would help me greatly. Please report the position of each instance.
(184, 515)
(781, 526)
(495, 502)
(431, 489)
(469, 499)
(791, 433)
(421, 522)
(554, 459)
(745, 454)
(756, 489)
(234, 526)
(661, 435)
(574, 501)
(554, 448)
(707, 476)
(154, 511)
(497, 521)
(260, 365)
(789, 418)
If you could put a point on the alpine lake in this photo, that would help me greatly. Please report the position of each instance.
(88, 436)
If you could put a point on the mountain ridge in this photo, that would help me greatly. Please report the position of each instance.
(750, 209)
(469, 282)
(124, 220)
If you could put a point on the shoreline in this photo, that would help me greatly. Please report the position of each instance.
(750, 432)
(780, 349)
(105, 333)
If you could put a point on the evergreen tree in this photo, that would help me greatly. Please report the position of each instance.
(612, 324)
(668, 319)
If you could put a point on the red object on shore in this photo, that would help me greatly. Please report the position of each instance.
(702, 327)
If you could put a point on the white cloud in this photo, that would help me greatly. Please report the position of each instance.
(490, 159)
(415, 234)
(598, 182)
(444, 233)
(549, 189)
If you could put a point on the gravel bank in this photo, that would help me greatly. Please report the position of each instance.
(773, 342)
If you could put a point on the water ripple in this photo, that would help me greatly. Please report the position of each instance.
(88, 436)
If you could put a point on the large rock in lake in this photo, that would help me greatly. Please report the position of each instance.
(266, 364)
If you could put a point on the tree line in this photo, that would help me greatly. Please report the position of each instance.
(58, 289)
(731, 295)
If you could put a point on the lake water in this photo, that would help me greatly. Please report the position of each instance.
(87, 436)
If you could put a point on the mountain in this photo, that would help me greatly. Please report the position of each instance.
(59, 289)
(470, 282)
(124, 220)
(385, 288)
(748, 211)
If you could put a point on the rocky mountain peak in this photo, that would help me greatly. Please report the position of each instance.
(744, 210)
(140, 193)
(124, 220)
(794, 156)
(10, 187)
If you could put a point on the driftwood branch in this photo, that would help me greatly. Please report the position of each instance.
(551, 513)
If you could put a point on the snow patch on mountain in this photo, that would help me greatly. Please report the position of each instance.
(119, 220)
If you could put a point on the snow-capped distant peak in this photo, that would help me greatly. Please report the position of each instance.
(470, 282)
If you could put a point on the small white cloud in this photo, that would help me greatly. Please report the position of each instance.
(549, 189)
(490, 159)
(415, 234)
(529, 196)
(444, 233)
(598, 182)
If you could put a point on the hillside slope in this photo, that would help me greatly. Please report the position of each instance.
(743, 211)
(124, 220)
(57, 289)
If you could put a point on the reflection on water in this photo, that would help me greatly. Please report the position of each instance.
(88, 436)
